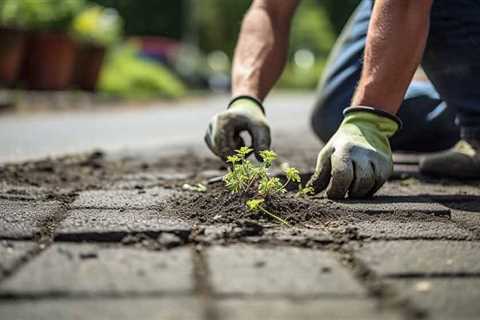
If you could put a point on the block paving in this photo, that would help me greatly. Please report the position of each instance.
(121, 254)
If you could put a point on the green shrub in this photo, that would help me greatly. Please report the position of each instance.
(9, 14)
(98, 25)
(52, 15)
(126, 75)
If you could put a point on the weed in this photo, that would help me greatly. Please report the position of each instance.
(254, 180)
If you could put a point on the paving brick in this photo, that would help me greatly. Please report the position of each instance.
(101, 309)
(324, 309)
(421, 257)
(279, 271)
(148, 180)
(22, 192)
(393, 204)
(22, 219)
(469, 220)
(393, 198)
(397, 230)
(104, 224)
(443, 298)
(126, 199)
(11, 252)
(86, 269)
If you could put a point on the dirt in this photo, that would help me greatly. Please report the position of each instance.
(218, 206)
(94, 171)
(63, 178)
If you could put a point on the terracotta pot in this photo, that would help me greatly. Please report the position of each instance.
(50, 61)
(88, 66)
(12, 45)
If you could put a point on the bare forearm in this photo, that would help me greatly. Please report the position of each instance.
(262, 48)
(396, 40)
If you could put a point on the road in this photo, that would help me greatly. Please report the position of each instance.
(33, 136)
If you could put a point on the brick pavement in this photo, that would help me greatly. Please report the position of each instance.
(120, 253)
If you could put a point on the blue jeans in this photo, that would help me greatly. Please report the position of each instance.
(434, 113)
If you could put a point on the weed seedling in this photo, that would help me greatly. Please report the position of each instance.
(255, 181)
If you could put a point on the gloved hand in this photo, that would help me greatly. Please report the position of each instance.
(243, 114)
(357, 160)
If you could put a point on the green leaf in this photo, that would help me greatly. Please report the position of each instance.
(271, 186)
(254, 204)
(233, 159)
(268, 156)
(304, 192)
(243, 152)
(292, 174)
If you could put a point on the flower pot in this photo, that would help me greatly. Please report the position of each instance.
(12, 45)
(88, 66)
(50, 61)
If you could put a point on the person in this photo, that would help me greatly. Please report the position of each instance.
(367, 92)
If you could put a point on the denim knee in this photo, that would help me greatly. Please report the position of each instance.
(325, 119)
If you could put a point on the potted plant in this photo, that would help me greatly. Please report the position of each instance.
(96, 29)
(12, 42)
(51, 50)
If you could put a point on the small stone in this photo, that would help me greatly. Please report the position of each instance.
(169, 240)
(423, 286)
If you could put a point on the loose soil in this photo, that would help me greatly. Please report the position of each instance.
(63, 178)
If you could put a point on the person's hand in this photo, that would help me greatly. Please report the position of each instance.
(357, 160)
(243, 114)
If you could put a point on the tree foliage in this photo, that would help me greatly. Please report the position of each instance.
(150, 17)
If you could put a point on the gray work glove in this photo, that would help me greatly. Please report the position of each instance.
(357, 160)
(243, 114)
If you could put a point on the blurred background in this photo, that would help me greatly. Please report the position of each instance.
(148, 49)
(81, 75)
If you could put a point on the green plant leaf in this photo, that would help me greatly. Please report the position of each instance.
(292, 174)
(270, 186)
(268, 156)
(244, 152)
(304, 192)
(98, 25)
(254, 204)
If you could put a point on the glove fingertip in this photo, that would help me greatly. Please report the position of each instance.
(319, 182)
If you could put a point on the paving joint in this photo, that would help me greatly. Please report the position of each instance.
(385, 295)
(74, 296)
(24, 260)
(202, 285)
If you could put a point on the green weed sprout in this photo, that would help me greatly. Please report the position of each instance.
(256, 205)
(255, 181)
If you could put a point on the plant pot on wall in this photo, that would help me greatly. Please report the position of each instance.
(88, 66)
(50, 61)
(12, 45)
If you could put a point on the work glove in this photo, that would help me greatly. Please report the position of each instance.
(244, 113)
(358, 159)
